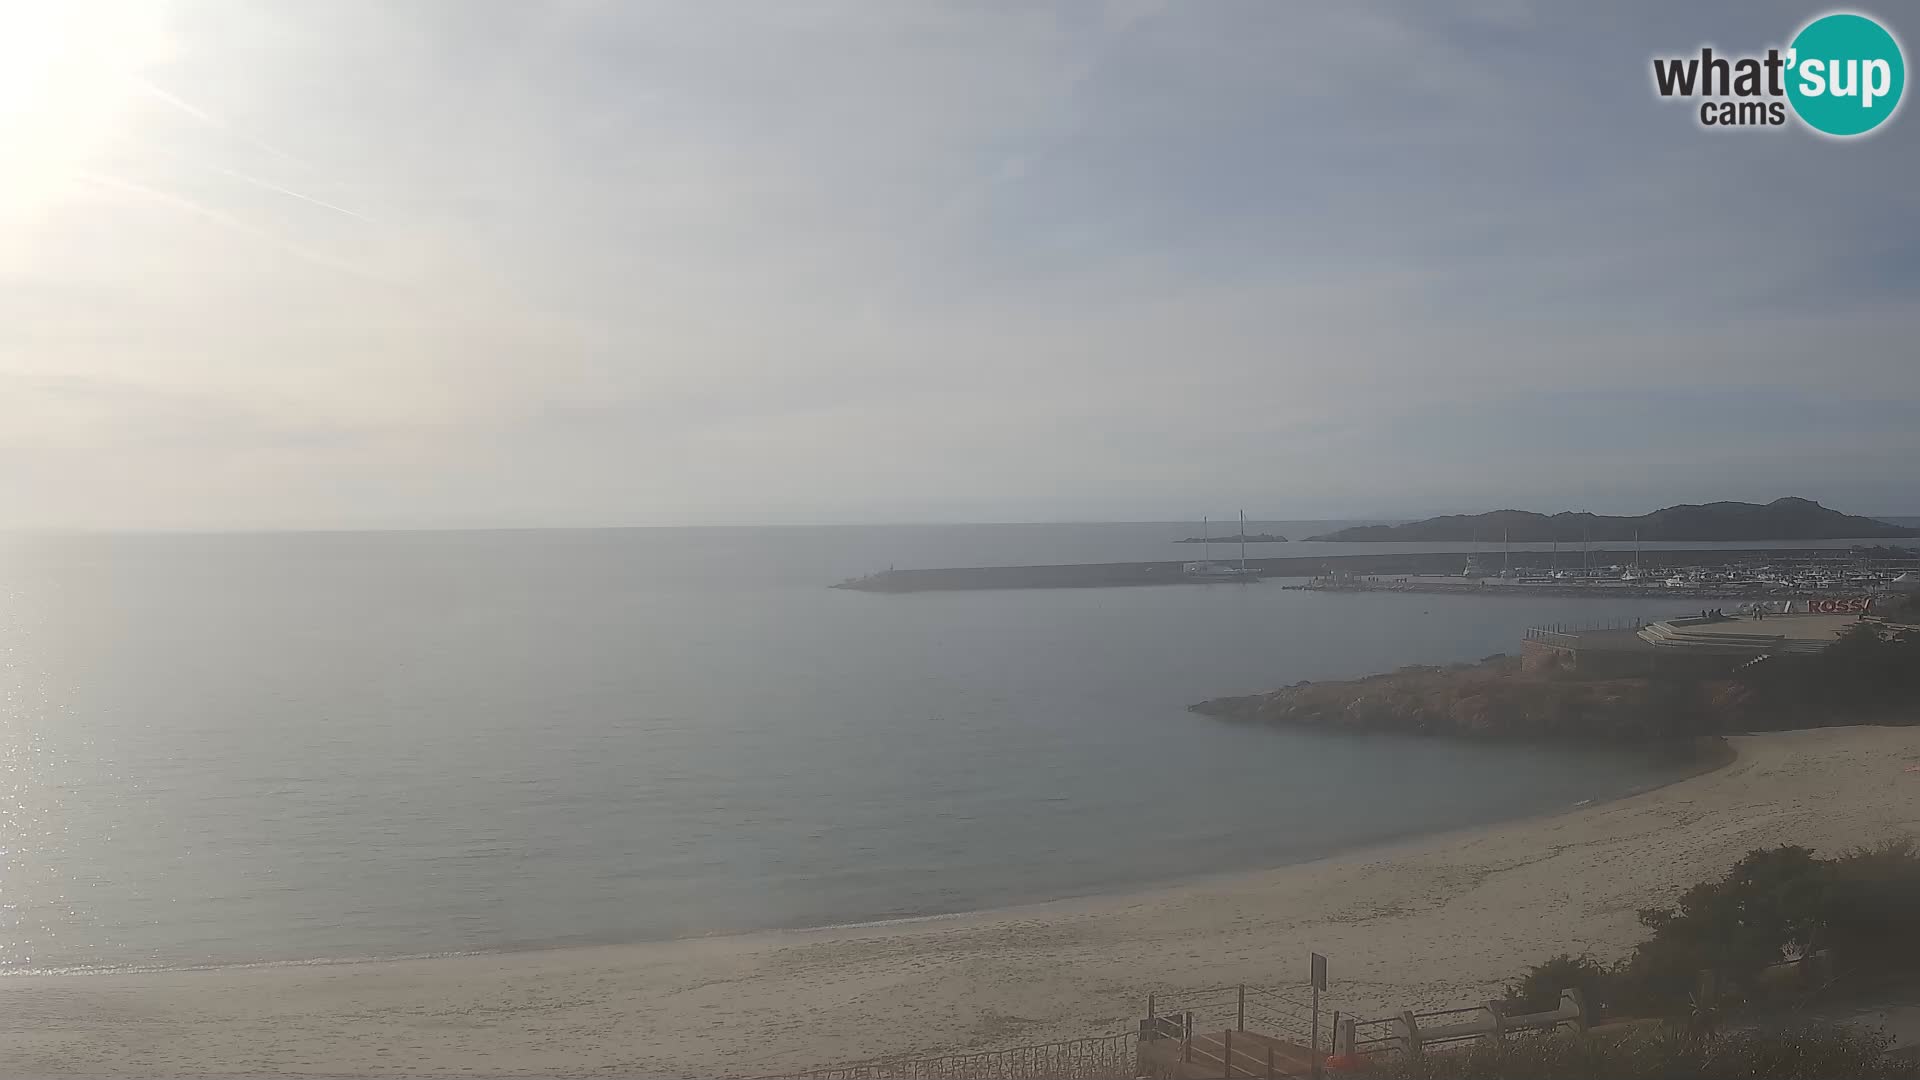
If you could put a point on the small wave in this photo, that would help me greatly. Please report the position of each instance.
(864, 924)
(317, 961)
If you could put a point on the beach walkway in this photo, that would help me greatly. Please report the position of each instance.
(1224, 1053)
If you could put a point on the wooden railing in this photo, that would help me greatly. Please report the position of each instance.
(1243, 1055)
(1414, 1032)
(1568, 634)
(1101, 1057)
(1238, 1030)
(1241, 1030)
(1285, 1012)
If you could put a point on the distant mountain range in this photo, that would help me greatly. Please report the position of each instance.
(1781, 519)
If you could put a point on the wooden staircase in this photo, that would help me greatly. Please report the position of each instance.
(1216, 1054)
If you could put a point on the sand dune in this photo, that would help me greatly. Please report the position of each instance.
(1442, 920)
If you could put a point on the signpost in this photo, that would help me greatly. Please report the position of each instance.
(1318, 976)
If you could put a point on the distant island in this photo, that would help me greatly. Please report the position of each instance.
(1781, 519)
(1251, 538)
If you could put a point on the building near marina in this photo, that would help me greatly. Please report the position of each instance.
(1698, 645)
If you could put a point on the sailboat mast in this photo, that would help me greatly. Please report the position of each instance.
(1243, 541)
(1206, 541)
(1506, 550)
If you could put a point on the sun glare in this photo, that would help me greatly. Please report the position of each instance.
(69, 72)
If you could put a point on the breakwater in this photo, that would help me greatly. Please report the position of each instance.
(1107, 575)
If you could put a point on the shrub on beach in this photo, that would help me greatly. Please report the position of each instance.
(1767, 908)
(1775, 905)
(1872, 897)
(1539, 989)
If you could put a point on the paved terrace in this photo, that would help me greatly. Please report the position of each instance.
(1684, 645)
(1745, 633)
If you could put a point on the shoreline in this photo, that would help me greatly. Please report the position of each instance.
(1431, 920)
(1705, 753)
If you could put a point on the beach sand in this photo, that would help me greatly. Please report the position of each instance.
(1442, 920)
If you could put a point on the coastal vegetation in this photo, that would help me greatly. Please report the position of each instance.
(1819, 1052)
(1781, 927)
(1782, 519)
(1870, 675)
(1782, 923)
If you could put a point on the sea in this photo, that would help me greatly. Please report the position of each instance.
(225, 749)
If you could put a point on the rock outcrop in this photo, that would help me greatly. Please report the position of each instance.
(1492, 699)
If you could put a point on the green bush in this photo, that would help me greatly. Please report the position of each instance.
(1814, 1053)
(1771, 904)
(1871, 914)
(1539, 989)
(1871, 672)
(1774, 905)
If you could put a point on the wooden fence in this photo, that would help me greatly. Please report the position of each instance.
(1102, 1057)
(1416, 1032)
(1240, 1030)
(1285, 1012)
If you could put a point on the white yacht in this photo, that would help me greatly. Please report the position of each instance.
(1208, 570)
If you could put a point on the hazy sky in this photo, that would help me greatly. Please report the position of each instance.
(338, 264)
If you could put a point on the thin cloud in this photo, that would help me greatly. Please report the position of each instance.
(137, 148)
(217, 123)
(266, 185)
(904, 259)
(228, 221)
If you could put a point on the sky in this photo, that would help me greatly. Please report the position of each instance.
(362, 264)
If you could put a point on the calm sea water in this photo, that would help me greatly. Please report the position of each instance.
(238, 749)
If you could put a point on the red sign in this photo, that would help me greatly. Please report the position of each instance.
(1839, 605)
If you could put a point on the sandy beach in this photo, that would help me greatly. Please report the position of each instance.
(1440, 920)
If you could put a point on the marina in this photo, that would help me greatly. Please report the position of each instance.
(1738, 579)
(1731, 573)
(1208, 570)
